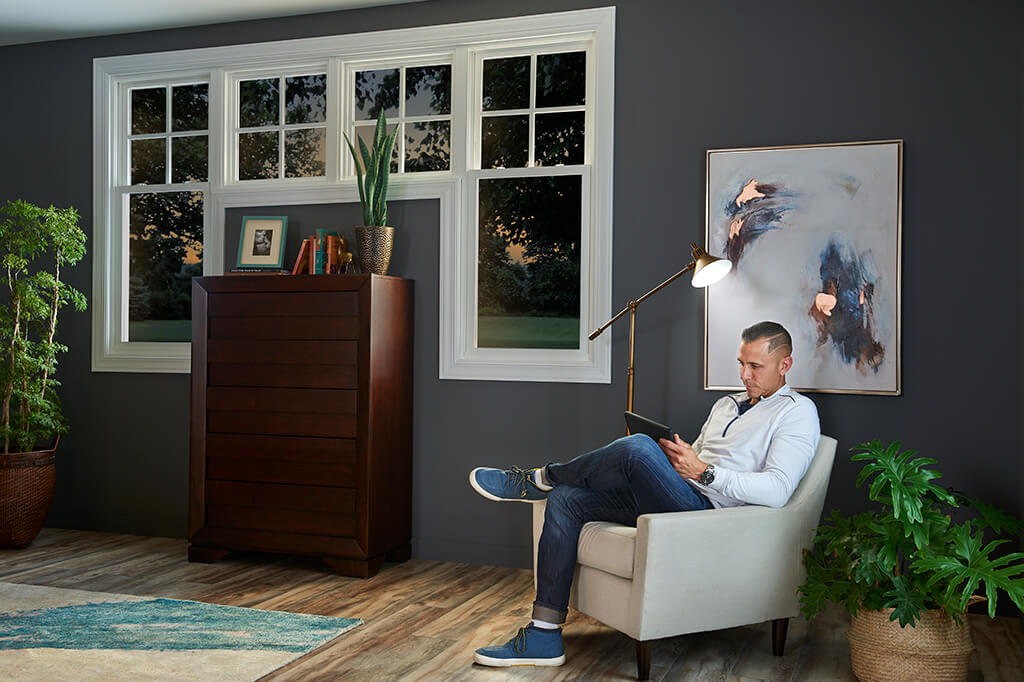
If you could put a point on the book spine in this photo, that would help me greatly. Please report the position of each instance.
(332, 254)
(321, 250)
(302, 261)
(312, 255)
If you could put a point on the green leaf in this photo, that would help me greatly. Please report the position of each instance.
(906, 603)
(970, 566)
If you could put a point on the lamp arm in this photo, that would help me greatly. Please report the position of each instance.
(633, 304)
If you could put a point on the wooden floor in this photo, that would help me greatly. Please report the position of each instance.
(423, 619)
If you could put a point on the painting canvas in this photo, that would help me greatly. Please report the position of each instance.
(813, 233)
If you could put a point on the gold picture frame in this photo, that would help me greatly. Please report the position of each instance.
(815, 236)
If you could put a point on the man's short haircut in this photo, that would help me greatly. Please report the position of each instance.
(776, 334)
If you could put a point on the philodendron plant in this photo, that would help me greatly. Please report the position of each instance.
(373, 165)
(33, 239)
(909, 555)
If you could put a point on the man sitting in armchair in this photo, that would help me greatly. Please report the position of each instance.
(754, 448)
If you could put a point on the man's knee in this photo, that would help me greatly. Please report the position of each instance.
(563, 502)
(643, 446)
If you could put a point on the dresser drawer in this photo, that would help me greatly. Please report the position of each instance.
(279, 459)
(295, 328)
(283, 304)
(284, 363)
(317, 510)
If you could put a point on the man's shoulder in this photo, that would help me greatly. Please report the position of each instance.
(801, 405)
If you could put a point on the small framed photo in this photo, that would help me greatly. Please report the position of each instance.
(261, 244)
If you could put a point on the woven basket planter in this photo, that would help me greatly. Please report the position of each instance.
(26, 492)
(936, 649)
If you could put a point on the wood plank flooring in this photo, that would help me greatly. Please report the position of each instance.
(423, 619)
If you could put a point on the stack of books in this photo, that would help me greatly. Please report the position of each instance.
(324, 253)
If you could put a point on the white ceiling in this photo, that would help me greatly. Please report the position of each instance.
(30, 21)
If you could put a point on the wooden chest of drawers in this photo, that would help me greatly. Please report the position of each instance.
(301, 426)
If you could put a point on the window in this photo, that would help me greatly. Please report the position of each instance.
(418, 98)
(531, 113)
(282, 127)
(507, 122)
(167, 140)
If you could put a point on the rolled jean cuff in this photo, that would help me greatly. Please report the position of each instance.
(548, 614)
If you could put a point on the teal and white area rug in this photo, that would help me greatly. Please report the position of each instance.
(50, 633)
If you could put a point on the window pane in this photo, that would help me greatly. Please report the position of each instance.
(258, 103)
(529, 262)
(304, 153)
(428, 90)
(559, 138)
(561, 79)
(149, 111)
(427, 146)
(189, 159)
(506, 83)
(189, 106)
(149, 162)
(165, 251)
(376, 91)
(305, 99)
(365, 133)
(257, 155)
(504, 142)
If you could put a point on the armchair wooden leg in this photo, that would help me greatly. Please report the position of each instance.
(643, 659)
(779, 628)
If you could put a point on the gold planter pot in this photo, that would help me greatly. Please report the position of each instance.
(373, 246)
(936, 649)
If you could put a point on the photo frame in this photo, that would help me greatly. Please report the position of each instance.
(814, 235)
(262, 241)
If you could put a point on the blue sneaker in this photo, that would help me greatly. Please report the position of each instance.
(530, 646)
(506, 485)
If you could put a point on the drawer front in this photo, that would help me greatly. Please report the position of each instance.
(299, 376)
(284, 363)
(283, 304)
(277, 459)
(318, 510)
(266, 327)
(282, 411)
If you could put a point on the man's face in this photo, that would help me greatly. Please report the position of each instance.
(761, 372)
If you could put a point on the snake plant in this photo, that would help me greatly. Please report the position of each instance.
(373, 166)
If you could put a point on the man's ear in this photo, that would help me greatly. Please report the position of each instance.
(787, 363)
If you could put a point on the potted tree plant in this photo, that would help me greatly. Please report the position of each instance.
(31, 420)
(374, 238)
(907, 572)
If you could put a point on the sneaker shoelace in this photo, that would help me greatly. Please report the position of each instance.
(519, 478)
(519, 641)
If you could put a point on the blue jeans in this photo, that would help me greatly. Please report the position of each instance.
(619, 482)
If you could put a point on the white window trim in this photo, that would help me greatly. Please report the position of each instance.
(223, 66)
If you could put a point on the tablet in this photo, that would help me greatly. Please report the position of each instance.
(638, 424)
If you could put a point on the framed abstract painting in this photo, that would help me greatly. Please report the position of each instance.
(814, 235)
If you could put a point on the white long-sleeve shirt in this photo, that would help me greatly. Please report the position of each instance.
(760, 455)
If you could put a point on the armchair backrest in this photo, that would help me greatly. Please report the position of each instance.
(814, 484)
(808, 499)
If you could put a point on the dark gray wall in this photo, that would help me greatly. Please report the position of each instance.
(943, 76)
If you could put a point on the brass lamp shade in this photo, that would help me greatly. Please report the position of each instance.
(707, 269)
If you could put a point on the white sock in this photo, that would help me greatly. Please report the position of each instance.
(540, 479)
(544, 625)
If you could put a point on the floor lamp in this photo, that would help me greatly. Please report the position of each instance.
(706, 271)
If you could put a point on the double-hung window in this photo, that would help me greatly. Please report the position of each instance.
(507, 123)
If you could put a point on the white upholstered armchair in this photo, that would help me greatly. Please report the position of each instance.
(638, 580)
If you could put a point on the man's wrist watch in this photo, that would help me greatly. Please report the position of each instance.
(708, 476)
